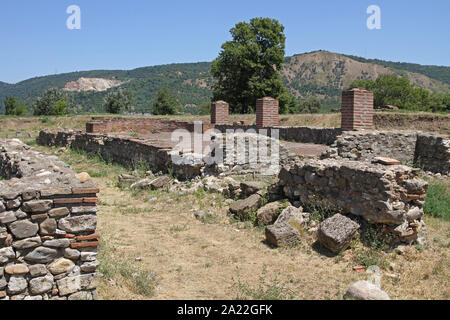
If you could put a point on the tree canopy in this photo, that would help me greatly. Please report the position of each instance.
(310, 105)
(54, 102)
(398, 91)
(13, 107)
(165, 102)
(118, 101)
(248, 67)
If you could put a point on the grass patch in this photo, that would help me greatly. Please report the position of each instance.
(437, 203)
(265, 290)
(124, 270)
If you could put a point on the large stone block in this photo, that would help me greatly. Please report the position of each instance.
(336, 232)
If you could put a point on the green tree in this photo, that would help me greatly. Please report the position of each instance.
(60, 108)
(398, 91)
(165, 103)
(247, 67)
(205, 108)
(21, 109)
(11, 105)
(118, 101)
(45, 106)
(310, 105)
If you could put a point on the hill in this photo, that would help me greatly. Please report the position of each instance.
(319, 73)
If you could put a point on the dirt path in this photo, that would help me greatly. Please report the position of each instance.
(196, 260)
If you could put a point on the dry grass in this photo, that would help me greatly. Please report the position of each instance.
(181, 257)
(383, 120)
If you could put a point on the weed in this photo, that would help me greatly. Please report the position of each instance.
(265, 290)
(437, 203)
(114, 265)
(179, 228)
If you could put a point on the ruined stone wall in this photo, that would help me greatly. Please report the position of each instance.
(430, 152)
(251, 152)
(131, 152)
(48, 239)
(365, 145)
(315, 135)
(390, 195)
(139, 125)
(433, 153)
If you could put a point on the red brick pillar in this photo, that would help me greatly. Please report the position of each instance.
(357, 109)
(266, 112)
(219, 112)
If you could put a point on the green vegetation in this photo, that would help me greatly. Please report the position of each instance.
(13, 107)
(398, 91)
(115, 266)
(248, 66)
(192, 83)
(310, 105)
(118, 101)
(205, 108)
(265, 290)
(437, 203)
(54, 102)
(165, 103)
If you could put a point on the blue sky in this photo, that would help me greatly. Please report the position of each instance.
(135, 33)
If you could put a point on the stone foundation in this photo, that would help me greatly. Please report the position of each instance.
(48, 239)
(388, 195)
(430, 152)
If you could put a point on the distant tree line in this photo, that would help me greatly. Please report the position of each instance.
(398, 91)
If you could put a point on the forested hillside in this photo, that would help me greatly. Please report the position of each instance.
(320, 73)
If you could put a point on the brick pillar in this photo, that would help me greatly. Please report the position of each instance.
(357, 109)
(266, 112)
(219, 112)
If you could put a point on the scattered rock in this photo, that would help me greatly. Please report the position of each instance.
(251, 187)
(241, 208)
(282, 234)
(364, 290)
(269, 213)
(83, 177)
(336, 232)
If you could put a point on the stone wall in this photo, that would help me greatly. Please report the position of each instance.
(390, 195)
(131, 152)
(317, 135)
(139, 125)
(430, 152)
(433, 153)
(48, 239)
(365, 145)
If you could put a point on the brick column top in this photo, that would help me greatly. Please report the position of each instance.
(357, 109)
(266, 112)
(219, 112)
